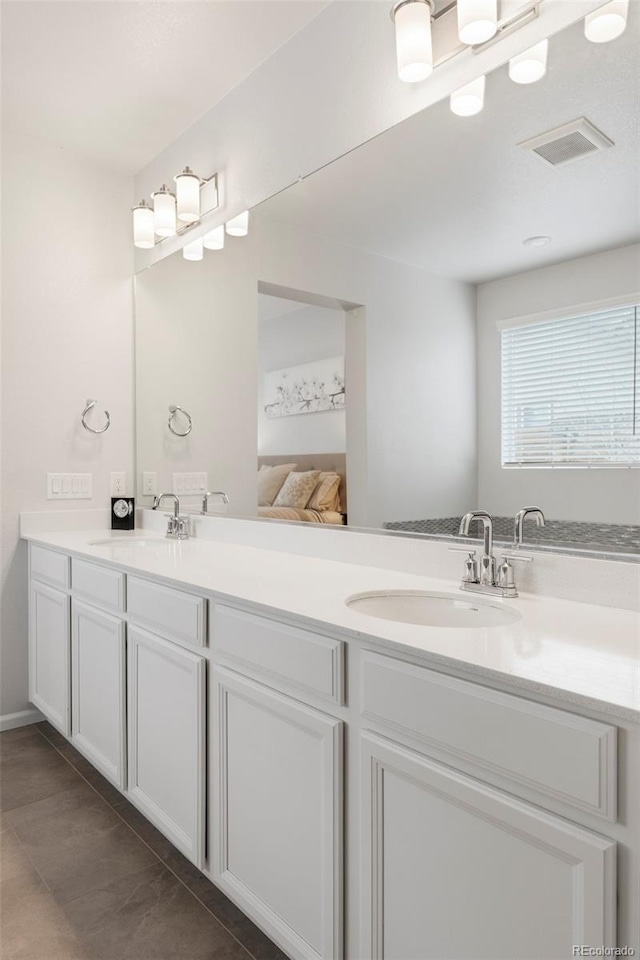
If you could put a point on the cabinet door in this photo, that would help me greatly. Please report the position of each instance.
(98, 713)
(277, 814)
(452, 868)
(49, 642)
(166, 739)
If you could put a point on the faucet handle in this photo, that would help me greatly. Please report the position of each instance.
(471, 574)
(518, 558)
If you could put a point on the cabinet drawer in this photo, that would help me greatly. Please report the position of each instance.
(49, 566)
(558, 754)
(104, 586)
(173, 614)
(289, 657)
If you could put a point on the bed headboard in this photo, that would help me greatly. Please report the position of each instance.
(329, 462)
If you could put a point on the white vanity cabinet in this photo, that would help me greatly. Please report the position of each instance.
(49, 655)
(277, 780)
(453, 868)
(166, 734)
(98, 689)
(415, 815)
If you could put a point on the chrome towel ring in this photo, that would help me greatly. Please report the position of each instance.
(173, 409)
(90, 405)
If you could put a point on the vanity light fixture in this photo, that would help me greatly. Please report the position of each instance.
(164, 212)
(414, 49)
(238, 226)
(468, 100)
(477, 20)
(214, 240)
(143, 226)
(530, 66)
(173, 214)
(193, 250)
(187, 196)
(608, 22)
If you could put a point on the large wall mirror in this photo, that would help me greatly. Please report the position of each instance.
(445, 319)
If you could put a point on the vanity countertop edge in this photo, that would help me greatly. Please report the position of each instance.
(583, 655)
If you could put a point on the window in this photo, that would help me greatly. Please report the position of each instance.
(571, 391)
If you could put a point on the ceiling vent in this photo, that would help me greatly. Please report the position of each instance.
(569, 142)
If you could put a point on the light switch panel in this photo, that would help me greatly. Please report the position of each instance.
(69, 486)
(189, 484)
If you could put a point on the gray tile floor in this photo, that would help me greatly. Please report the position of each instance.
(83, 875)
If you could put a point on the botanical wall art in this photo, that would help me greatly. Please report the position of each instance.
(315, 387)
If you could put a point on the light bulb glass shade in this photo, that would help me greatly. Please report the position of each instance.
(187, 196)
(238, 226)
(214, 240)
(469, 99)
(477, 20)
(164, 212)
(193, 250)
(608, 22)
(414, 49)
(143, 226)
(531, 65)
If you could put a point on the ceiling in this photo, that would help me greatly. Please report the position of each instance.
(457, 196)
(118, 81)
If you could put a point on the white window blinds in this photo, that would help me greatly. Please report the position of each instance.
(571, 391)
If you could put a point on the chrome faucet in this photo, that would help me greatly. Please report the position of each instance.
(482, 576)
(210, 493)
(487, 571)
(178, 526)
(519, 522)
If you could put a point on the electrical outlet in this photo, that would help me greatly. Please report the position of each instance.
(118, 484)
(149, 483)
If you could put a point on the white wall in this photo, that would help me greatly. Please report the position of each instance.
(604, 495)
(410, 370)
(67, 335)
(310, 333)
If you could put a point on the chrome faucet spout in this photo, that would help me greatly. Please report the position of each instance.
(487, 561)
(176, 503)
(487, 525)
(177, 527)
(212, 493)
(518, 526)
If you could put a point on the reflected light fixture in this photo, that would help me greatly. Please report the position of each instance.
(187, 196)
(214, 240)
(143, 226)
(608, 22)
(414, 48)
(468, 100)
(193, 250)
(477, 20)
(530, 66)
(164, 212)
(238, 226)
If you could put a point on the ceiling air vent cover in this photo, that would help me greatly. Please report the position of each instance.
(569, 142)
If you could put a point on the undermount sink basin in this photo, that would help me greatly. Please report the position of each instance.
(431, 609)
(131, 542)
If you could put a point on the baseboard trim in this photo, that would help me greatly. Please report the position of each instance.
(9, 721)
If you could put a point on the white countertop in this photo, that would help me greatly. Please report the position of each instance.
(581, 653)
